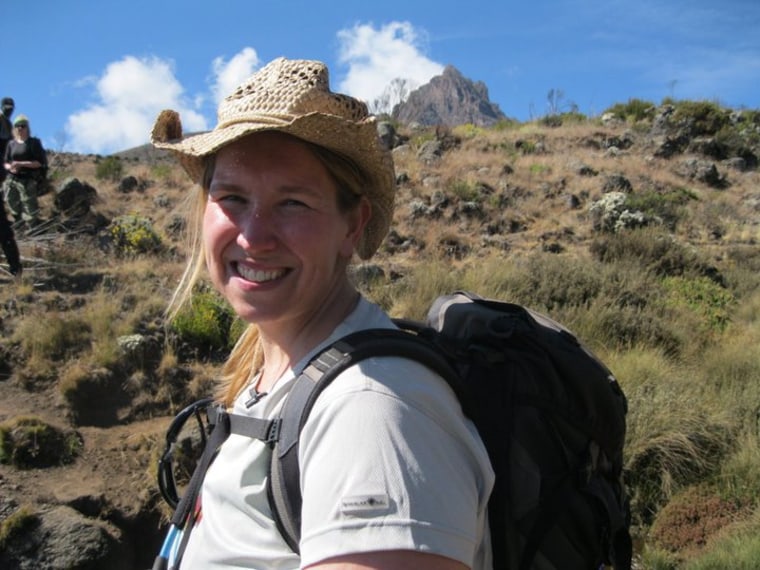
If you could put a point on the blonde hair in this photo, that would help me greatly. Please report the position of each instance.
(246, 357)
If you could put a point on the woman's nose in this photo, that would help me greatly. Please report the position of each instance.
(257, 232)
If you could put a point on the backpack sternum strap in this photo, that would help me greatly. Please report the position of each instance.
(267, 431)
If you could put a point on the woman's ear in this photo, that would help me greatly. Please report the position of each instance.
(358, 219)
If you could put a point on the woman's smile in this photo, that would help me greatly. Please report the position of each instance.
(258, 275)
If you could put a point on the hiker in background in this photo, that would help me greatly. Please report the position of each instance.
(6, 128)
(291, 182)
(24, 160)
(7, 238)
(8, 243)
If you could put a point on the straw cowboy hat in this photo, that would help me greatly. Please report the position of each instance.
(294, 97)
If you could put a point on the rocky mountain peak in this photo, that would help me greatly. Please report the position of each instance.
(449, 99)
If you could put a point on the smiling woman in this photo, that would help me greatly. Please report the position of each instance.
(291, 183)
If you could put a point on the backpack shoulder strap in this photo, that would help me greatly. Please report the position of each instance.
(284, 479)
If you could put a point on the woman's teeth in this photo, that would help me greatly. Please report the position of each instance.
(258, 275)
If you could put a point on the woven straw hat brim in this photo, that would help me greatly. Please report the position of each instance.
(357, 141)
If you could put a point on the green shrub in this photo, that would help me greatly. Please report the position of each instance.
(710, 302)
(109, 168)
(205, 322)
(633, 111)
(701, 117)
(566, 118)
(539, 169)
(27, 442)
(468, 131)
(464, 190)
(667, 205)
(132, 235)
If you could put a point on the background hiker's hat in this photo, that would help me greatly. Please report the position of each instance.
(7, 102)
(294, 97)
(20, 120)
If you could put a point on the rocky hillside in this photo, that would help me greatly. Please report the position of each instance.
(90, 377)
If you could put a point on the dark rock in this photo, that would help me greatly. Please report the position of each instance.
(702, 171)
(617, 183)
(74, 198)
(573, 202)
(64, 539)
(128, 184)
(389, 136)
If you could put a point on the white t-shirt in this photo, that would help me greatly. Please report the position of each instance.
(388, 462)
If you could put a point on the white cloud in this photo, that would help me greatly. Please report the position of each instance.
(376, 57)
(130, 94)
(228, 75)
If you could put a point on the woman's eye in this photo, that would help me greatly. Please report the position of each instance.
(228, 199)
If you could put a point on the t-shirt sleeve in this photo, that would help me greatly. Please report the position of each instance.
(391, 464)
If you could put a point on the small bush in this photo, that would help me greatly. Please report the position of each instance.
(205, 322)
(539, 169)
(633, 111)
(465, 191)
(109, 168)
(468, 131)
(710, 302)
(702, 118)
(28, 442)
(666, 206)
(54, 337)
(133, 235)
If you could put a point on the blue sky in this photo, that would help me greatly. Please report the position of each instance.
(93, 74)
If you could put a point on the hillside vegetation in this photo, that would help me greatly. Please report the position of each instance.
(639, 230)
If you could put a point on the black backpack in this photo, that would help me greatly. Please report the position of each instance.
(550, 414)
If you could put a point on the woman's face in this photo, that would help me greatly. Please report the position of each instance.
(276, 244)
